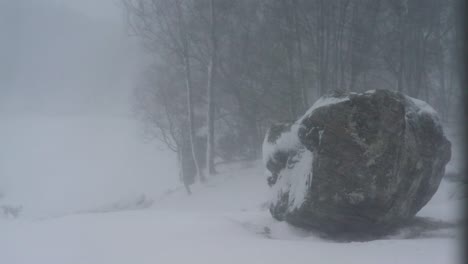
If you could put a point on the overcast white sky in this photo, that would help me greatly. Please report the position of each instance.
(66, 57)
(105, 9)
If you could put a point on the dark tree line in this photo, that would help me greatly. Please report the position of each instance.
(224, 70)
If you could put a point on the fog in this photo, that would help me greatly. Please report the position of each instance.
(220, 131)
(69, 137)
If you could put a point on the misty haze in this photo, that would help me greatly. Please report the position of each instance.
(231, 131)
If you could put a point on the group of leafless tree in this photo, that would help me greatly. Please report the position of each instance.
(223, 70)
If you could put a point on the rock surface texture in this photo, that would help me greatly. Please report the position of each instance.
(356, 165)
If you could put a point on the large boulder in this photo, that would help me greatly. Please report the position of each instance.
(356, 165)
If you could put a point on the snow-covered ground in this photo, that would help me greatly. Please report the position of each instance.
(455, 133)
(224, 221)
(92, 192)
(52, 165)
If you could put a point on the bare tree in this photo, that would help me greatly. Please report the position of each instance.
(210, 90)
(239, 65)
(188, 84)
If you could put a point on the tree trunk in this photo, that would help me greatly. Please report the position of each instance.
(322, 69)
(182, 175)
(401, 53)
(305, 104)
(292, 86)
(342, 42)
(188, 85)
(211, 114)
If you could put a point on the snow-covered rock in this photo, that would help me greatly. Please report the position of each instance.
(356, 164)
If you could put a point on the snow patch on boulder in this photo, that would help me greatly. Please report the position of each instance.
(295, 179)
(421, 107)
(322, 101)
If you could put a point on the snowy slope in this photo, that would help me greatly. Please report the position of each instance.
(224, 221)
(52, 165)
